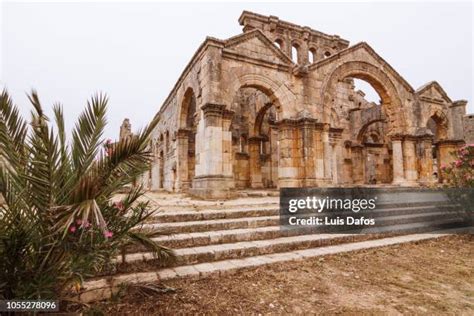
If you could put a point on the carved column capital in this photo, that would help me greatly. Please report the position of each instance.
(213, 113)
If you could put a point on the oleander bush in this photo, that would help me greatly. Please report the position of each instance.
(61, 220)
(460, 173)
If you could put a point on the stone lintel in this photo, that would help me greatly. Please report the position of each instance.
(373, 145)
(297, 122)
(257, 139)
(424, 137)
(453, 142)
(410, 138)
(336, 130)
(183, 132)
(397, 137)
(242, 156)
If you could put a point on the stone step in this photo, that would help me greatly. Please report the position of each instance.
(103, 287)
(207, 253)
(185, 216)
(211, 225)
(193, 205)
(258, 221)
(194, 239)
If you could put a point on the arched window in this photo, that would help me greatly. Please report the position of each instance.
(279, 43)
(312, 55)
(167, 140)
(294, 53)
(242, 143)
(369, 93)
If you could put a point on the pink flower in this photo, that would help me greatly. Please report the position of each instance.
(83, 224)
(458, 163)
(72, 229)
(119, 205)
(108, 234)
(443, 167)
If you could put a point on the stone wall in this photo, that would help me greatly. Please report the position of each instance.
(469, 128)
(276, 106)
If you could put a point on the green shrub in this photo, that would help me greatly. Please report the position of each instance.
(59, 223)
(460, 173)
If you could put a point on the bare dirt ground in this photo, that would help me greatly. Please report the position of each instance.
(434, 277)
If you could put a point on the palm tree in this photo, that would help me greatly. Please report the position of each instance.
(59, 222)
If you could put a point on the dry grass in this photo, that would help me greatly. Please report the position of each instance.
(428, 277)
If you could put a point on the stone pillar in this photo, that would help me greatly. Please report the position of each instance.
(321, 151)
(409, 160)
(319, 154)
(309, 151)
(426, 160)
(397, 161)
(155, 175)
(182, 139)
(145, 180)
(214, 176)
(357, 164)
(255, 163)
(327, 148)
(288, 148)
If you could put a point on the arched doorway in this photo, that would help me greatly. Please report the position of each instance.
(187, 139)
(376, 153)
(254, 139)
(372, 123)
(438, 125)
(161, 170)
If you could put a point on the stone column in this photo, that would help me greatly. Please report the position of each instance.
(397, 161)
(182, 138)
(409, 160)
(309, 151)
(426, 160)
(327, 148)
(255, 163)
(319, 154)
(214, 176)
(288, 148)
(357, 164)
(145, 180)
(155, 174)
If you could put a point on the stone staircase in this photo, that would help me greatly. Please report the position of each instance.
(212, 237)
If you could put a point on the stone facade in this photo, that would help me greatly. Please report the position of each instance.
(276, 107)
(469, 128)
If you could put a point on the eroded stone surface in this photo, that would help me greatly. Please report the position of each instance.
(245, 113)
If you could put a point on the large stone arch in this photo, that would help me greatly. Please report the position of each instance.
(184, 104)
(379, 80)
(278, 93)
(186, 139)
(365, 127)
(249, 170)
(442, 123)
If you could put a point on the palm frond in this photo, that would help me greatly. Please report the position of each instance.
(86, 136)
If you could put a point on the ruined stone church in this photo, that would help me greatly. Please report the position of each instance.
(276, 106)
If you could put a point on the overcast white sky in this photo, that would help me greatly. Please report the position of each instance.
(135, 52)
